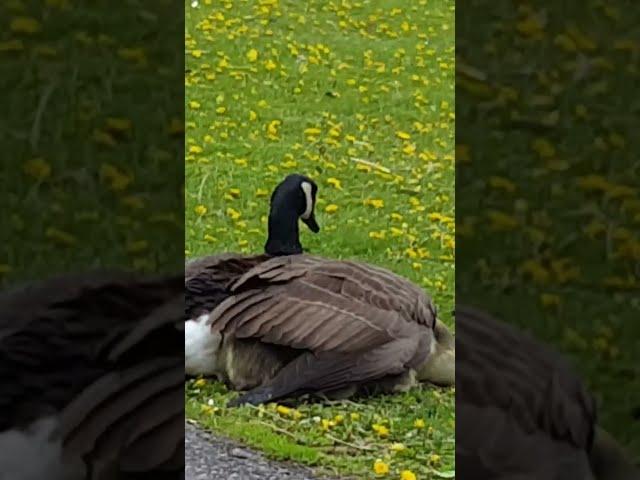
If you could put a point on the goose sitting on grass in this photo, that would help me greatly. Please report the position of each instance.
(284, 323)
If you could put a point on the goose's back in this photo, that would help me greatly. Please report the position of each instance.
(362, 283)
(520, 398)
(317, 304)
(207, 280)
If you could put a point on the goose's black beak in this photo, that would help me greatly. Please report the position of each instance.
(312, 223)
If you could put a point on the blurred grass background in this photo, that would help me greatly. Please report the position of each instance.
(547, 201)
(92, 137)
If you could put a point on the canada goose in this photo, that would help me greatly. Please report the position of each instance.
(92, 378)
(522, 413)
(286, 323)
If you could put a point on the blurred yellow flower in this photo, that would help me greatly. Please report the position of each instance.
(282, 410)
(374, 202)
(25, 25)
(37, 168)
(252, 55)
(380, 467)
(334, 182)
(407, 475)
(200, 210)
(331, 208)
(233, 214)
(419, 423)
(381, 430)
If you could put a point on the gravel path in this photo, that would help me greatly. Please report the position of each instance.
(212, 458)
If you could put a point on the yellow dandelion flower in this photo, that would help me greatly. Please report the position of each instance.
(233, 214)
(26, 25)
(114, 177)
(397, 447)
(241, 162)
(593, 182)
(543, 148)
(403, 135)
(118, 125)
(326, 425)
(252, 55)
(501, 183)
(37, 168)
(381, 235)
(334, 182)
(270, 65)
(409, 149)
(272, 129)
(282, 410)
(374, 202)
(549, 300)
(354, 416)
(407, 475)
(15, 45)
(419, 423)
(434, 459)
(331, 208)
(380, 467)
(195, 149)
(501, 221)
(535, 270)
(312, 131)
(60, 237)
(381, 430)
(234, 192)
(103, 138)
(194, 105)
(200, 210)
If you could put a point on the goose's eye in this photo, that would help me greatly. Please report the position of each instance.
(308, 197)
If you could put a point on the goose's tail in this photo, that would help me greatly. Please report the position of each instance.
(609, 460)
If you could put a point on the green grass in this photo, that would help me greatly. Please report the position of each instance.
(573, 83)
(79, 190)
(359, 97)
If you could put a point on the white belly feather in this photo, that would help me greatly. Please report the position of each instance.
(201, 347)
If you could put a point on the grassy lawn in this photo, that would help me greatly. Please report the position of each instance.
(91, 136)
(360, 97)
(548, 202)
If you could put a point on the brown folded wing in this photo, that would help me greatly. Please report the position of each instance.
(316, 304)
(501, 368)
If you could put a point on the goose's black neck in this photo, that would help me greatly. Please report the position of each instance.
(284, 233)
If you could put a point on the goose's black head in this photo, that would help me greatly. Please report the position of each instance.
(294, 198)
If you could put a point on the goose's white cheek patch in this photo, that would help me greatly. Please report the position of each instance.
(307, 189)
(201, 347)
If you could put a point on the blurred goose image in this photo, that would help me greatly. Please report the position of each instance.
(521, 412)
(92, 378)
(286, 323)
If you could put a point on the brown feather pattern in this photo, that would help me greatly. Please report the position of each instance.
(507, 378)
(358, 322)
(102, 351)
